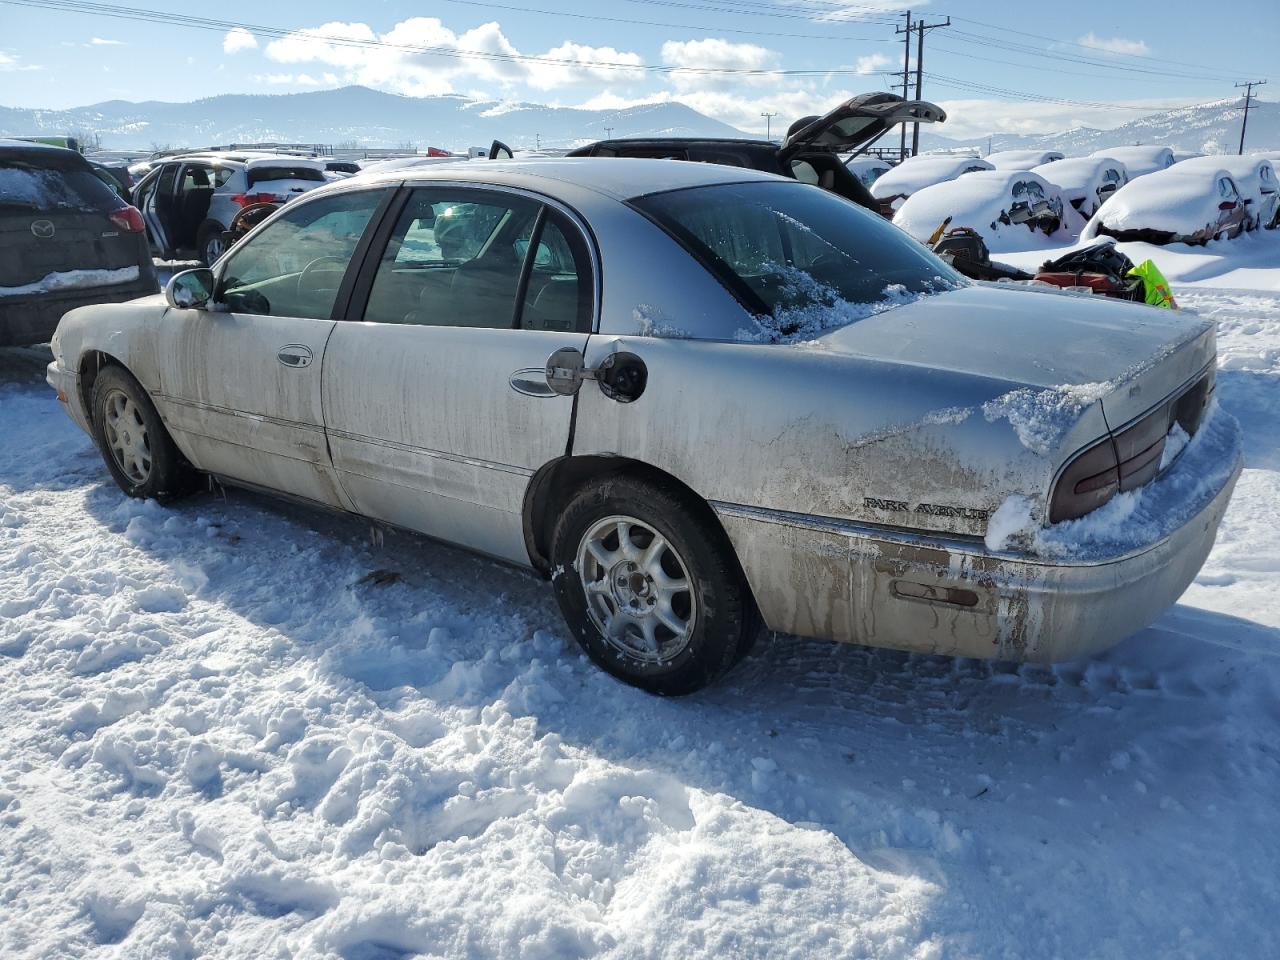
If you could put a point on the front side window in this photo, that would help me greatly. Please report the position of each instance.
(471, 258)
(294, 266)
(802, 260)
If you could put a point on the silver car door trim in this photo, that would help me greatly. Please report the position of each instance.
(258, 417)
(436, 454)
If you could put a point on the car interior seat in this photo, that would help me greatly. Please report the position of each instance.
(194, 205)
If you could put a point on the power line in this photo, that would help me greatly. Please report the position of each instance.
(678, 26)
(219, 26)
(1248, 96)
(1071, 43)
(921, 27)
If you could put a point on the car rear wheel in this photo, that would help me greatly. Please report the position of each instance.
(650, 587)
(210, 244)
(140, 454)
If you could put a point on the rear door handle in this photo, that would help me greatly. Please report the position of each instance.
(295, 355)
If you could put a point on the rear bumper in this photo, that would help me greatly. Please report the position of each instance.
(33, 318)
(859, 583)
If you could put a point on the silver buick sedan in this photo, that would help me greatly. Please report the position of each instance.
(702, 401)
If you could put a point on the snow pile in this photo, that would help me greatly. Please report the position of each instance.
(980, 201)
(73, 280)
(1175, 201)
(807, 307)
(1080, 178)
(1139, 160)
(916, 173)
(1022, 159)
(234, 728)
(1041, 418)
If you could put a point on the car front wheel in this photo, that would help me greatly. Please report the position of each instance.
(137, 448)
(650, 586)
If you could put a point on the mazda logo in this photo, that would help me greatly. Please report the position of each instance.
(42, 229)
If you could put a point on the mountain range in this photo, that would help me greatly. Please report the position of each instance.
(360, 117)
(354, 116)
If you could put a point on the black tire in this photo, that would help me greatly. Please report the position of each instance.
(210, 233)
(723, 618)
(129, 433)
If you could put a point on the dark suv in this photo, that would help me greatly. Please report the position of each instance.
(810, 152)
(66, 240)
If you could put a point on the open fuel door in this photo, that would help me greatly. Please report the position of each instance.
(858, 123)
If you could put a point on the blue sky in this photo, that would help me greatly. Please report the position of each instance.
(995, 68)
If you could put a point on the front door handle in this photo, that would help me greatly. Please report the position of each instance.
(295, 355)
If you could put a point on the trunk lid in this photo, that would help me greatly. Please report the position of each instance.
(1131, 356)
(859, 122)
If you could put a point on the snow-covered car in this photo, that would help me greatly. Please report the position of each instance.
(917, 462)
(1139, 160)
(1009, 209)
(66, 239)
(1254, 175)
(1176, 205)
(1085, 182)
(1022, 159)
(867, 169)
(189, 201)
(915, 173)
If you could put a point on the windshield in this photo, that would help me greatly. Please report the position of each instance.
(267, 174)
(802, 260)
(53, 185)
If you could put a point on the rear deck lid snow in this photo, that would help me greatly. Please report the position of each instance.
(1131, 356)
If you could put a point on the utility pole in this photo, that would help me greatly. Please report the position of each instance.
(537, 141)
(1248, 96)
(906, 75)
(608, 133)
(921, 27)
(768, 124)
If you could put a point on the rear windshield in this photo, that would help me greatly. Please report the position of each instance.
(263, 174)
(53, 184)
(801, 259)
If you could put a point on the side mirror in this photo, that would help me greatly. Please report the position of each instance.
(190, 289)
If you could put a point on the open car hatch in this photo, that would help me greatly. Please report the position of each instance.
(860, 122)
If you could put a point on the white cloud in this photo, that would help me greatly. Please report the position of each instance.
(10, 64)
(420, 56)
(238, 39)
(691, 56)
(1118, 45)
(100, 42)
(873, 63)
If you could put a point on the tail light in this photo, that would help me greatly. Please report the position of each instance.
(127, 219)
(1128, 459)
(248, 199)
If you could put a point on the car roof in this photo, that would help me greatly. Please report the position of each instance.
(617, 177)
(31, 146)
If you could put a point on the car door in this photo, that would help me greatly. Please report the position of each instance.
(147, 198)
(240, 382)
(436, 403)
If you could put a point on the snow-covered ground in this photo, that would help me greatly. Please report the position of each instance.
(234, 728)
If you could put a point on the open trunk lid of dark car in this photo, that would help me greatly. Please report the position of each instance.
(55, 219)
(859, 122)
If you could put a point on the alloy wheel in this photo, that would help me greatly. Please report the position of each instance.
(126, 435)
(638, 590)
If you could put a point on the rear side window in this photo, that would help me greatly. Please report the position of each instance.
(266, 174)
(802, 260)
(51, 186)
